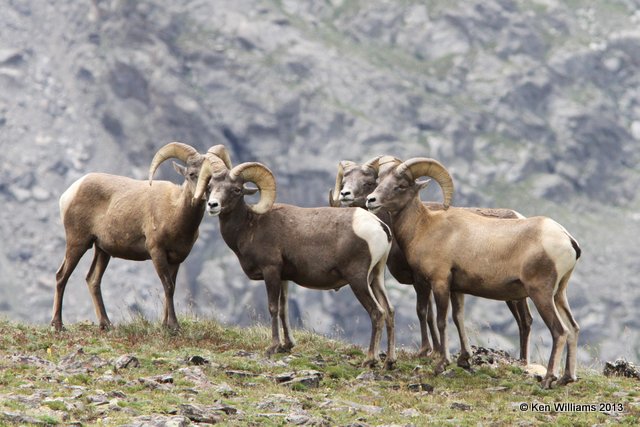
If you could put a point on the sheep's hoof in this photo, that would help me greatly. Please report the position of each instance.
(463, 362)
(370, 363)
(171, 325)
(106, 326)
(566, 379)
(57, 326)
(273, 349)
(389, 365)
(284, 349)
(548, 381)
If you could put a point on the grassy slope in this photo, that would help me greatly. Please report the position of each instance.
(488, 395)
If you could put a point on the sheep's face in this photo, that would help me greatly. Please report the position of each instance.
(189, 172)
(357, 183)
(224, 193)
(394, 192)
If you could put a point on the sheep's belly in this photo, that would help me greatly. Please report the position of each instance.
(321, 280)
(133, 252)
(507, 290)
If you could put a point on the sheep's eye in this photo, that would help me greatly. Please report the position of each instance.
(400, 188)
(193, 175)
(237, 190)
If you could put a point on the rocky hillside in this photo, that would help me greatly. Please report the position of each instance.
(138, 375)
(533, 105)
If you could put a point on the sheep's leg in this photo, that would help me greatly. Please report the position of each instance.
(274, 292)
(167, 274)
(169, 308)
(423, 301)
(572, 340)
(513, 308)
(72, 256)
(363, 292)
(457, 308)
(380, 294)
(441, 293)
(544, 301)
(524, 327)
(431, 321)
(283, 312)
(94, 278)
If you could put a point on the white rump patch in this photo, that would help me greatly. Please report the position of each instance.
(68, 196)
(556, 242)
(367, 226)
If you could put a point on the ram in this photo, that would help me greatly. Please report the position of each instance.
(353, 184)
(127, 218)
(318, 248)
(504, 259)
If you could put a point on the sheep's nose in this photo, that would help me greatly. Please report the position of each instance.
(371, 199)
(345, 193)
(213, 204)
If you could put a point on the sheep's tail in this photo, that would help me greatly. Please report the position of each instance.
(576, 246)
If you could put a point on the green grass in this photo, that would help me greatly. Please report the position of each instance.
(486, 395)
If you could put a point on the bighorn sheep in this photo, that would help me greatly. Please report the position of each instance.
(126, 218)
(318, 248)
(503, 259)
(354, 183)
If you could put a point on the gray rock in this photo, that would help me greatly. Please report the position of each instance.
(17, 418)
(200, 414)
(460, 406)
(416, 387)
(196, 375)
(162, 382)
(127, 361)
(197, 360)
(622, 368)
(308, 378)
(298, 419)
(158, 421)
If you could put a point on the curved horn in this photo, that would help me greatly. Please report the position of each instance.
(221, 151)
(422, 166)
(373, 163)
(264, 180)
(334, 195)
(173, 150)
(387, 163)
(211, 164)
(203, 179)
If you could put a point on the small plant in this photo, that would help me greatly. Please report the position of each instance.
(56, 405)
(49, 420)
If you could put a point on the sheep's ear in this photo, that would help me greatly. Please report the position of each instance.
(249, 191)
(182, 170)
(422, 184)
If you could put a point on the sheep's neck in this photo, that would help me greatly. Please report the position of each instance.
(193, 211)
(407, 220)
(234, 224)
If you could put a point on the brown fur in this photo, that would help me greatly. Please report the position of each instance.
(126, 218)
(317, 248)
(502, 259)
(355, 182)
